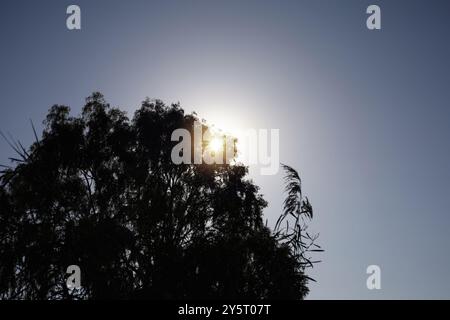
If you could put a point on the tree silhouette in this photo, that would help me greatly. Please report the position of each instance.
(100, 191)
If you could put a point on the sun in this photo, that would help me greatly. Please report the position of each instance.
(215, 145)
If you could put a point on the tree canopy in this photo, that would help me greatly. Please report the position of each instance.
(100, 191)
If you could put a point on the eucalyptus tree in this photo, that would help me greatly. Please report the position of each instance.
(100, 191)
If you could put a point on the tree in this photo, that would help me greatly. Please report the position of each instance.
(100, 191)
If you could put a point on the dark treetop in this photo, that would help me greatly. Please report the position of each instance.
(100, 191)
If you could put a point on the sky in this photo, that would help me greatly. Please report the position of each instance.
(363, 114)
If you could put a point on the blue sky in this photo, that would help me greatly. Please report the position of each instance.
(363, 115)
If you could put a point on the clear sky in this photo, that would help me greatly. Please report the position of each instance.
(363, 115)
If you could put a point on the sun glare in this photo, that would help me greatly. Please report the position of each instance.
(215, 145)
(224, 125)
